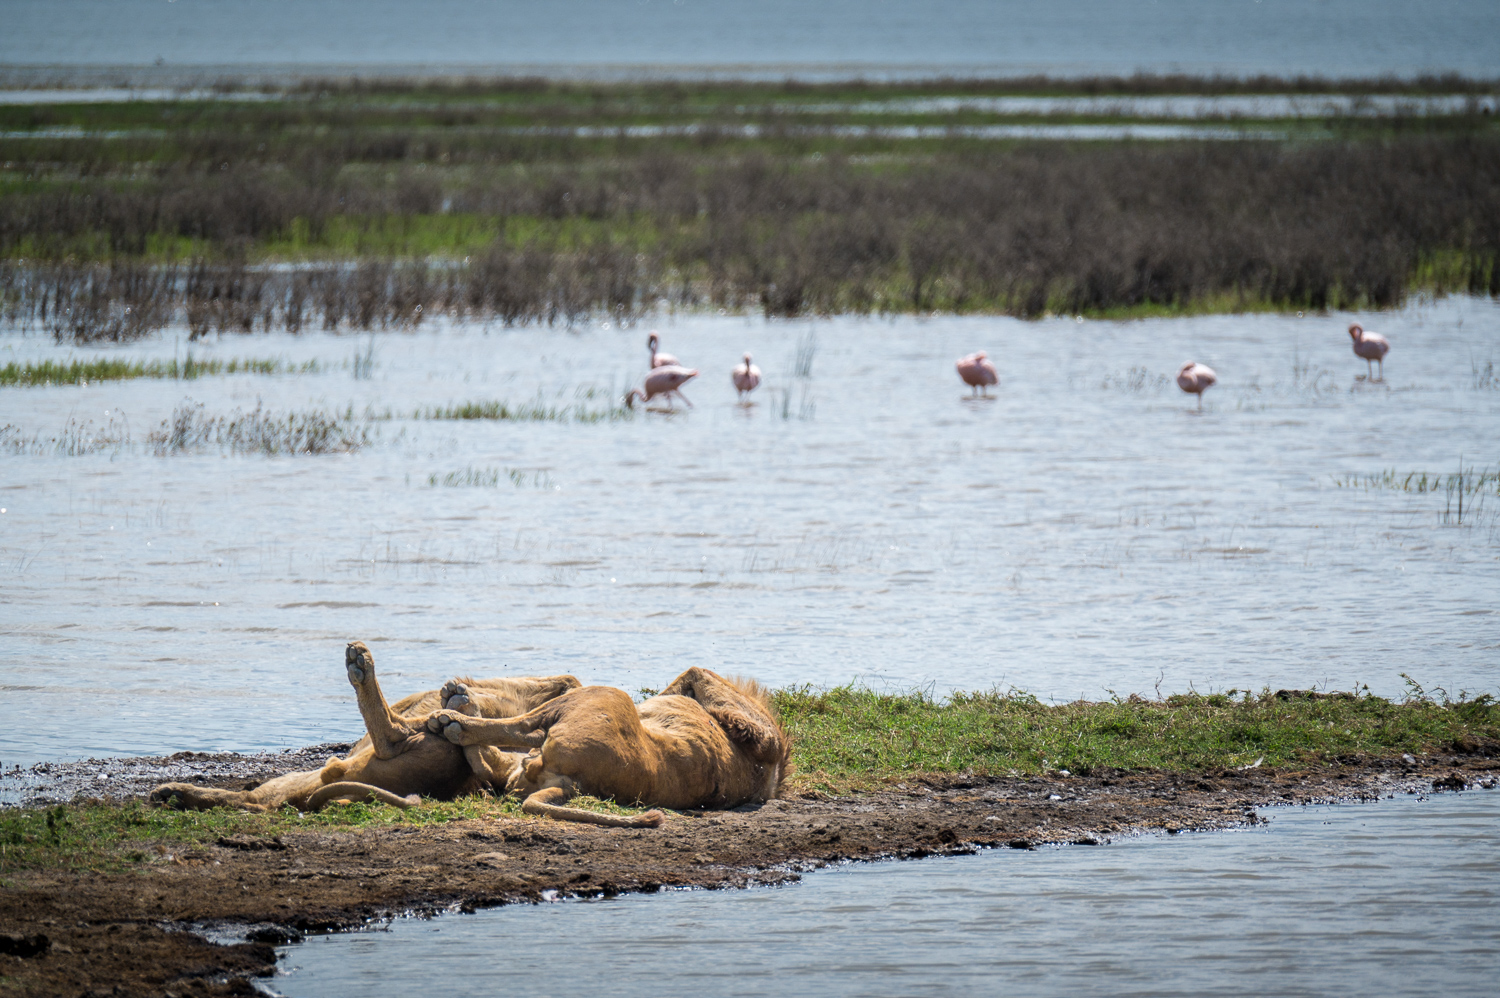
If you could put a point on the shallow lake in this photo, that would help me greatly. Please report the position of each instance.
(1085, 530)
(194, 39)
(1397, 897)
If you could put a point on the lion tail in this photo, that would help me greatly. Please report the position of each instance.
(651, 819)
(356, 792)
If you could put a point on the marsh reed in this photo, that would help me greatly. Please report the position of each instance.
(393, 212)
(259, 432)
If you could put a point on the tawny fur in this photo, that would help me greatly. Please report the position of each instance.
(398, 760)
(703, 742)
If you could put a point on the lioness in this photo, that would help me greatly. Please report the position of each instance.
(398, 759)
(705, 741)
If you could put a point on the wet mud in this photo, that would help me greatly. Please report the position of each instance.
(205, 918)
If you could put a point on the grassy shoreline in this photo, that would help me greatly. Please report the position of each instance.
(850, 741)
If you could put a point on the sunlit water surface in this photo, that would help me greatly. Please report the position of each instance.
(1394, 898)
(1085, 530)
(765, 38)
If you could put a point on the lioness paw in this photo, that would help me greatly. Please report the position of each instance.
(455, 696)
(447, 723)
(359, 663)
(171, 795)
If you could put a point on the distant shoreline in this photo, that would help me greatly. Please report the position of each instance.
(283, 76)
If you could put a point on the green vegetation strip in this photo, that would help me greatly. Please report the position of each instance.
(81, 372)
(848, 740)
(536, 411)
(107, 837)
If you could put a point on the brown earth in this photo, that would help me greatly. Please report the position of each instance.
(147, 932)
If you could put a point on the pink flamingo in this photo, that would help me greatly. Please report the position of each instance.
(978, 372)
(663, 381)
(660, 359)
(1370, 346)
(745, 376)
(1195, 378)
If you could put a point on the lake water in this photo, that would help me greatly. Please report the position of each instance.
(1084, 530)
(195, 39)
(1392, 898)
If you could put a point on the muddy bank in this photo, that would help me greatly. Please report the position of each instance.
(147, 932)
(47, 783)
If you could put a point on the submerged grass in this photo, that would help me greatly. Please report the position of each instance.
(538, 410)
(490, 478)
(77, 438)
(260, 432)
(849, 739)
(1466, 481)
(82, 372)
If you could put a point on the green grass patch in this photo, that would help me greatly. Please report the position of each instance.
(81, 372)
(109, 837)
(850, 738)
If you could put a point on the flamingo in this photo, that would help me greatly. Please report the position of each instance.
(1195, 378)
(745, 376)
(659, 359)
(1370, 346)
(978, 372)
(663, 381)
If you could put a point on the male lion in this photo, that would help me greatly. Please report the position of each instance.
(705, 741)
(398, 760)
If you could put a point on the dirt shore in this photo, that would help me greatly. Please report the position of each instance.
(149, 931)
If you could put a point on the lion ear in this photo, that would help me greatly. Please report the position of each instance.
(755, 737)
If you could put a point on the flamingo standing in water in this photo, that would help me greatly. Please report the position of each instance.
(663, 381)
(660, 359)
(1195, 378)
(978, 372)
(745, 376)
(1370, 346)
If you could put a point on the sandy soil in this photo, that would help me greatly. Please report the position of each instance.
(149, 932)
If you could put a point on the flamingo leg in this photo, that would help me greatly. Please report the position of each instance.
(1200, 401)
(1381, 362)
(683, 397)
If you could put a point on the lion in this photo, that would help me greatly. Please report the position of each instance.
(704, 742)
(398, 761)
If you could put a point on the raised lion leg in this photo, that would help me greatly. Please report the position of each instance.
(548, 802)
(502, 697)
(389, 734)
(526, 731)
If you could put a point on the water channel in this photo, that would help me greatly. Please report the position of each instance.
(1398, 897)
